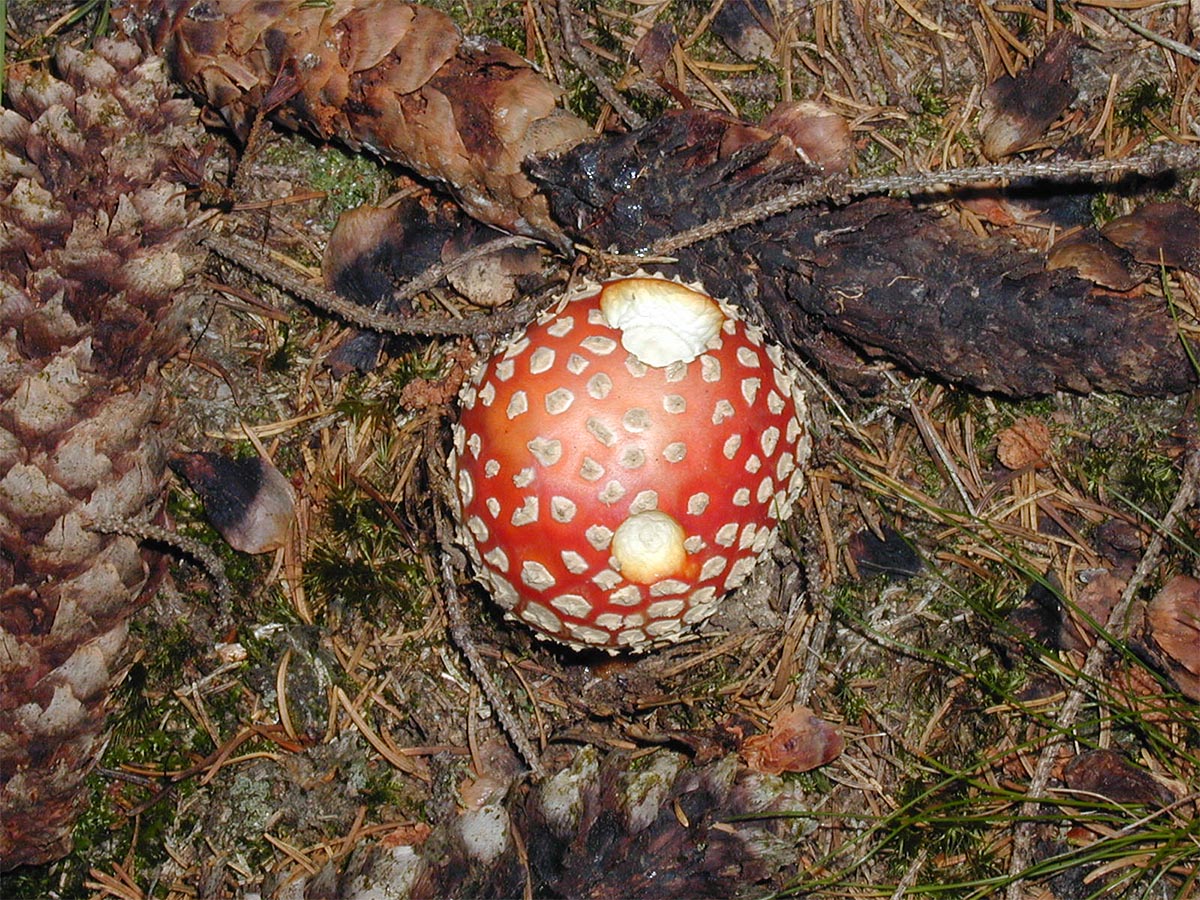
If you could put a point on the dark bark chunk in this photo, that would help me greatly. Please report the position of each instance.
(878, 276)
(1109, 775)
(984, 313)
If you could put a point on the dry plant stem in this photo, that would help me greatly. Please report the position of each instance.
(934, 443)
(249, 255)
(542, 10)
(1117, 626)
(822, 600)
(1171, 158)
(588, 67)
(860, 54)
(911, 874)
(452, 561)
(209, 562)
(1162, 40)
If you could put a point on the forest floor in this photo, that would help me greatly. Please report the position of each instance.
(941, 597)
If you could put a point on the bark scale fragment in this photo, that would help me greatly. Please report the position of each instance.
(1018, 111)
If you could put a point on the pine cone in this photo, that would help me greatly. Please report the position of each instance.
(91, 257)
(606, 829)
(395, 78)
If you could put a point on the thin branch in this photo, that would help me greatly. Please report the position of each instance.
(201, 553)
(819, 590)
(451, 561)
(249, 255)
(589, 67)
(435, 273)
(1162, 40)
(1156, 162)
(911, 874)
(549, 34)
(862, 58)
(933, 442)
(1117, 626)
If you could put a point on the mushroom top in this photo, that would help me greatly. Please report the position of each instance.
(622, 464)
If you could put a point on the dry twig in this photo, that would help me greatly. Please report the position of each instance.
(452, 561)
(197, 550)
(1160, 39)
(248, 255)
(1156, 162)
(588, 66)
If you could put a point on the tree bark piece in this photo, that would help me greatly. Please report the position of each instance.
(877, 277)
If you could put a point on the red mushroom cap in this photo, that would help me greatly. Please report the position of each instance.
(622, 464)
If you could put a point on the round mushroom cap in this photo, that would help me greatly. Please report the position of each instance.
(623, 463)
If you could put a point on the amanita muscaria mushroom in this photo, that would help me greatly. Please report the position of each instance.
(623, 463)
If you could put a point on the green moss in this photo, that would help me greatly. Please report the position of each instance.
(348, 179)
(931, 100)
(501, 20)
(755, 109)
(875, 159)
(368, 402)
(362, 564)
(649, 106)
(97, 827)
(583, 99)
(1136, 105)
(852, 703)
(996, 681)
(37, 881)
(147, 722)
(381, 789)
(1128, 456)
(283, 357)
(1103, 209)
(815, 781)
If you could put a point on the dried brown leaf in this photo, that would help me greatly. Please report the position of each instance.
(1173, 623)
(1094, 603)
(1111, 776)
(1159, 234)
(797, 741)
(248, 500)
(1023, 444)
(654, 49)
(1095, 259)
